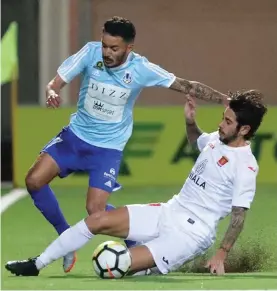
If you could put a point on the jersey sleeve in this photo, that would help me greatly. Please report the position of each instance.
(205, 138)
(245, 185)
(75, 64)
(151, 75)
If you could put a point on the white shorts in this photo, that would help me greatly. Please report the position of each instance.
(169, 245)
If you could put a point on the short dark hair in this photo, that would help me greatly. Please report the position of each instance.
(249, 109)
(119, 26)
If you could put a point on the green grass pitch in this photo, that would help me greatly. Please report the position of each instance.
(25, 233)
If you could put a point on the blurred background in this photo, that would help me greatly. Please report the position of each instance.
(228, 45)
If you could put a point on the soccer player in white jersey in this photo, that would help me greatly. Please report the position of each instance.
(112, 79)
(222, 181)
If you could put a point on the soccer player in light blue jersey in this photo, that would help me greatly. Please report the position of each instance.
(112, 78)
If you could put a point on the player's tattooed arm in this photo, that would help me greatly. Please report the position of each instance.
(234, 229)
(193, 133)
(198, 90)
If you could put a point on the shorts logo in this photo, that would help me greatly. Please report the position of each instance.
(109, 184)
(191, 221)
(222, 161)
(110, 175)
(165, 260)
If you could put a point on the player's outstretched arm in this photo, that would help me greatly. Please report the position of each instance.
(67, 71)
(53, 89)
(199, 91)
(235, 228)
(193, 131)
(216, 263)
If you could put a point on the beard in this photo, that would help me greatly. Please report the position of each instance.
(227, 139)
(116, 61)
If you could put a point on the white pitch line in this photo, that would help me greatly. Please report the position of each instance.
(10, 198)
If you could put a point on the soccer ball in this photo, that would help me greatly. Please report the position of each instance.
(111, 260)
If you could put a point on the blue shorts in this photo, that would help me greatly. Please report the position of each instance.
(73, 155)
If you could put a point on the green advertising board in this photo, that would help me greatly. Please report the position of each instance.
(156, 154)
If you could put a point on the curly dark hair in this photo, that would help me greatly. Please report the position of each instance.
(119, 26)
(249, 109)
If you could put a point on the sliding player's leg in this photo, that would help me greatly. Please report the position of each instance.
(135, 222)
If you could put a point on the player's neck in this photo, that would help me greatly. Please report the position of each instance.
(125, 60)
(239, 142)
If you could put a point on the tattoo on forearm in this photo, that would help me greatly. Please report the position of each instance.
(193, 132)
(198, 90)
(235, 227)
(208, 94)
(181, 85)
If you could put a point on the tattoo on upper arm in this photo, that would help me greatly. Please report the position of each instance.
(235, 227)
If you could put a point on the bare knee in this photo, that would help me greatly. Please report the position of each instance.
(42, 172)
(98, 222)
(33, 182)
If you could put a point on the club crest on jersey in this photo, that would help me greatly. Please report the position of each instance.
(99, 66)
(222, 161)
(127, 78)
(200, 168)
(194, 175)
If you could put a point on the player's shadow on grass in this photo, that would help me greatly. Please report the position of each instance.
(174, 277)
(253, 276)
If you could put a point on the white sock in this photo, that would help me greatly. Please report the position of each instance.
(70, 240)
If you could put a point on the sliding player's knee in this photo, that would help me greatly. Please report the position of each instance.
(33, 182)
(98, 222)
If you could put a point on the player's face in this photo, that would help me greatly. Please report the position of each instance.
(228, 131)
(114, 50)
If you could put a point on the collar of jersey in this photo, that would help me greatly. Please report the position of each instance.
(246, 147)
(124, 65)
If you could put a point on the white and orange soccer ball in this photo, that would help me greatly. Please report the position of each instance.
(111, 260)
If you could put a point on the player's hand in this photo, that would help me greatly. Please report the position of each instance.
(225, 100)
(53, 100)
(190, 110)
(216, 263)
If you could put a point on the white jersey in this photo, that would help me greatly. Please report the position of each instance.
(222, 177)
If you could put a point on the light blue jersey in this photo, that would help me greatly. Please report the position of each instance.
(107, 95)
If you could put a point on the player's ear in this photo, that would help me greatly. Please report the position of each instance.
(130, 47)
(244, 129)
